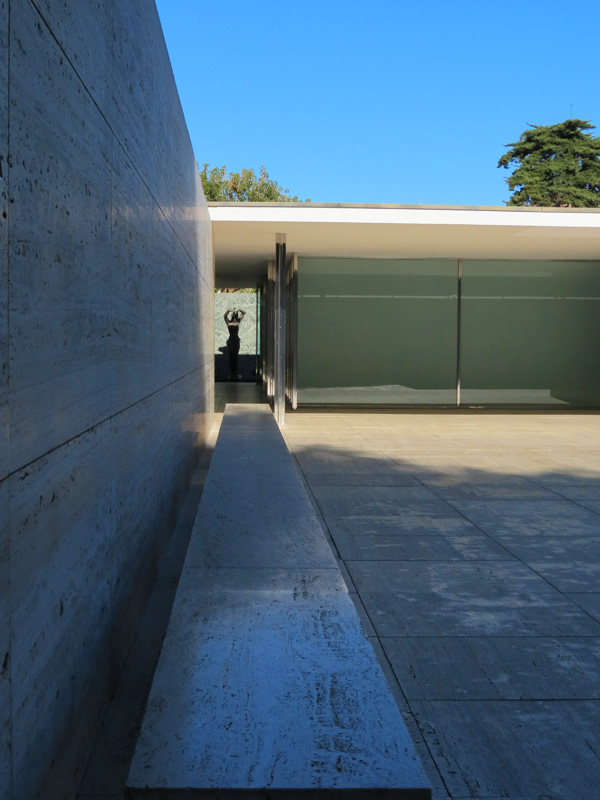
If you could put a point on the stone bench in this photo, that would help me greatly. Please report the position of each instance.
(267, 686)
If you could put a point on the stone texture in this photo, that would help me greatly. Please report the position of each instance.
(5, 654)
(60, 257)
(105, 320)
(86, 40)
(138, 436)
(453, 598)
(60, 581)
(4, 206)
(496, 668)
(276, 689)
(428, 545)
(496, 659)
(138, 232)
(266, 682)
(506, 749)
(380, 501)
(168, 168)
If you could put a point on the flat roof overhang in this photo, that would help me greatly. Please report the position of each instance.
(244, 234)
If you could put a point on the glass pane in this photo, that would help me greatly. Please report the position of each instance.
(377, 331)
(529, 331)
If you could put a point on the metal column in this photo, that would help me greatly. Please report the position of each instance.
(269, 329)
(279, 339)
(458, 323)
(291, 389)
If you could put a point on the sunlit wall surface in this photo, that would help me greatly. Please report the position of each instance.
(385, 332)
(530, 332)
(377, 331)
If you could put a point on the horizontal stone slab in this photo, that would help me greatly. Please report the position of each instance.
(267, 686)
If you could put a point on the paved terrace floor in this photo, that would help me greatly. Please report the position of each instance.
(471, 543)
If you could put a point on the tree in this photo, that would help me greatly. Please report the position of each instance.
(242, 187)
(556, 165)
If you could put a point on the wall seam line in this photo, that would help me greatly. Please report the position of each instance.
(110, 128)
(100, 422)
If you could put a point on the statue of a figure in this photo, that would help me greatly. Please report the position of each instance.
(233, 318)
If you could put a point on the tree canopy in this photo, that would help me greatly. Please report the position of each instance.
(242, 187)
(555, 165)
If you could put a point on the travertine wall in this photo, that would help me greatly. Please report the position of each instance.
(106, 353)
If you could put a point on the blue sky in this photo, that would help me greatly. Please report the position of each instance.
(386, 101)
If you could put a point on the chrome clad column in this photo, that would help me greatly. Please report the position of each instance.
(279, 354)
(270, 325)
(458, 310)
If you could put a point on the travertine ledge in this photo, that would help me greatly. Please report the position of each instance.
(267, 685)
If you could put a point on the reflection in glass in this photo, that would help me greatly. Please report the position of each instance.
(377, 331)
(529, 333)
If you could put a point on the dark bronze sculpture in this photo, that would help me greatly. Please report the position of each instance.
(233, 318)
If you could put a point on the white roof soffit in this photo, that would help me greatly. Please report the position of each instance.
(244, 233)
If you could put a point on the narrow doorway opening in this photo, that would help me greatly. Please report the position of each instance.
(237, 339)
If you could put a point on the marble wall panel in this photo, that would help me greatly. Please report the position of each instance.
(207, 317)
(5, 654)
(108, 291)
(186, 436)
(3, 238)
(161, 148)
(86, 40)
(164, 303)
(167, 460)
(61, 528)
(136, 241)
(60, 248)
(137, 435)
(185, 289)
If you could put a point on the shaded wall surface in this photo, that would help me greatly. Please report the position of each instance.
(106, 361)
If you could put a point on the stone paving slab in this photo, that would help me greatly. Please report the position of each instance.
(528, 749)
(462, 635)
(426, 546)
(571, 575)
(588, 601)
(541, 547)
(404, 524)
(529, 516)
(474, 491)
(351, 501)
(393, 477)
(340, 463)
(591, 505)
(496, 668)
(453, 598)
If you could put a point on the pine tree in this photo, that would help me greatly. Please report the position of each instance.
(556, 165)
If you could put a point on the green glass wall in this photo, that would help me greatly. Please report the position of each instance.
(377, 331)
(530, 332)
(385, 331)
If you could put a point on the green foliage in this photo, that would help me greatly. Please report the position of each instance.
(556, 165)
(242, 187)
